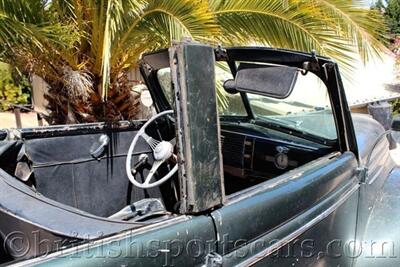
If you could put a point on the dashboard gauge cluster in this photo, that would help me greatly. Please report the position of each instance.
(281, 159)
(248, 155)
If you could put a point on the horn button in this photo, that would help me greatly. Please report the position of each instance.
(163, 151)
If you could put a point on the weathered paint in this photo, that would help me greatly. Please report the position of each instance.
(321, 201)
(276, 211)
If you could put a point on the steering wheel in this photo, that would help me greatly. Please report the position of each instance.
(162, 151)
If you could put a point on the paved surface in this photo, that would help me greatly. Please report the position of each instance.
(7, 120)
(396, 154)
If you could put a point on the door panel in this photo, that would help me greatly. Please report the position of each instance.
(311, 201)
(183, 241)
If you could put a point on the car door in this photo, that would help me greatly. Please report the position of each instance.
(182, 241)
(305, 217)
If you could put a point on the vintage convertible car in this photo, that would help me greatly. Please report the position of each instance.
(252, 158)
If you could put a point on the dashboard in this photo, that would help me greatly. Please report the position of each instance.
(252, 151)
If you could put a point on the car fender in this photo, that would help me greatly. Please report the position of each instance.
(380, 245)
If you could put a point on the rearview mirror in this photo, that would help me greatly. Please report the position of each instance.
(269, 80)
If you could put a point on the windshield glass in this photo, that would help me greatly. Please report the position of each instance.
(307, 109)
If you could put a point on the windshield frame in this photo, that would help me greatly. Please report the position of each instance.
(326, 69)
(270, 121)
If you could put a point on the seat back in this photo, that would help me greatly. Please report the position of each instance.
(65, 170)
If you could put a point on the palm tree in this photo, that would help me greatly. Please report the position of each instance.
(84, 48)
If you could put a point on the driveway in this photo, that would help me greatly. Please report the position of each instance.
(7, 120)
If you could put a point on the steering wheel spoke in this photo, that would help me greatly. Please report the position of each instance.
(150, 140)
(173, 141)
(153, 170)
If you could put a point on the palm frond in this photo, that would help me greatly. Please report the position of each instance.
(358, 24)
(103, 39)
(268, 22)
(25, 11)
(167, 21)
(108, 23)
(302, 25)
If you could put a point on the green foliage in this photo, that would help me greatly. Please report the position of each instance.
(104, 37)
(391, 11)
(12, 92)
(65, 40)
(396, 106)
(392, 16)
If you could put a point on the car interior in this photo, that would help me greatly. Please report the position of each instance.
(82, 167)
(64, 168)
(77, 168)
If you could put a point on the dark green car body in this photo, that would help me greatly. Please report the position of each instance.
(340, 208)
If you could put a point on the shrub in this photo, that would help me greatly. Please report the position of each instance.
(12, 92)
